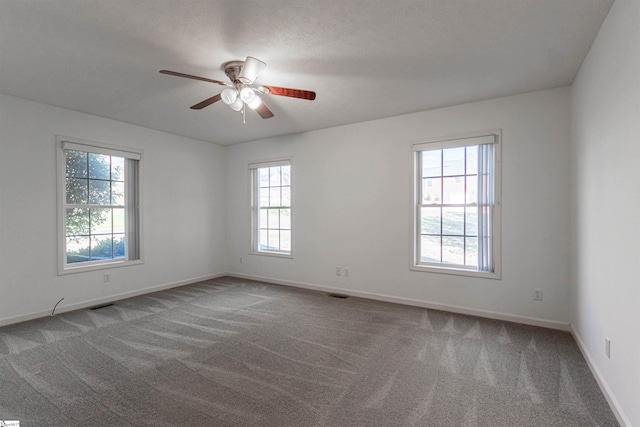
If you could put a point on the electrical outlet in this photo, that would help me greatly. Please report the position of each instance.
(538, 295)
(338, 271)
(106, 277)
(346, 271)
(607, 347)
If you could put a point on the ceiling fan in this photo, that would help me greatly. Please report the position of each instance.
(240, 93)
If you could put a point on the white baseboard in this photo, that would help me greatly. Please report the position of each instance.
(602, 383)
(552, 324)
(106, 300)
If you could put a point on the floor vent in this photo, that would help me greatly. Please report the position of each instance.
(339, 296)
(100, 306)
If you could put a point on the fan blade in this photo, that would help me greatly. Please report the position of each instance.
(264, 111)
(189, 76)
(251, 69)
(206, 102)
(292, 93)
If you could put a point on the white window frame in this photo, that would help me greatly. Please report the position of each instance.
(255, 205)
(133, 222)
(468, 139)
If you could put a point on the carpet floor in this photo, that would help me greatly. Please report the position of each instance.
(233, 352)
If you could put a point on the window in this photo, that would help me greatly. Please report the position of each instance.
(99, 210)
(271, 207)
(457, 211)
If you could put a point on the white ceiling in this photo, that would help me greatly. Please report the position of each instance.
(366, 59)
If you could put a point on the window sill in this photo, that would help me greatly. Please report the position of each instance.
(456, 272)
(100, 266)
(272, 254)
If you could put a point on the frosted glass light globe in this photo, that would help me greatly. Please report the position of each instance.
(229, 96)
(236, 105)
(247, 95)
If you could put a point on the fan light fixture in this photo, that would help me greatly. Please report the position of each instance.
(236, 100)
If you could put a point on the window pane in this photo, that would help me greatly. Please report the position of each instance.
(471, 221)
(264, 240)
(263, 218)
(472, 190)
(452, 250)
(263, 177)
(99, 192)
(431, 191)
(274, 239)
(77, 191)
(453, 221)
(430, 248)
(286, 196)
(274, 218)
(472, 160)
(286, 175)
(118, 245)
(431, 163)
(471, 253)
(101, 247)
(77, 222)
(77, 249)
(430, 220)
(100, 221)
(274, 176)
(118, 220)
(264, 197)
(76, 164)
(99, 166)
(285, 240)
(285, 219)
(117, 193)
(453, 191)
(117, 168)
(274, 194)
(453, 161)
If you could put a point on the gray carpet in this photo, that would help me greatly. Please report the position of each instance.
(231, 352)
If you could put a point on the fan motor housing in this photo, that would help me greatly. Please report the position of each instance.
(233, 69)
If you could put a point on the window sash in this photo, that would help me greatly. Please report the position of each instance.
(485, 203)
(131, 207)
(257, 209)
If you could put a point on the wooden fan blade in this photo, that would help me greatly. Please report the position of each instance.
(189, 76)
(206, 102)
(292, 93)
(264, 111)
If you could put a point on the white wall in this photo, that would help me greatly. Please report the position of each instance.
(183, 216)
(606, 208)
(352, 207)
